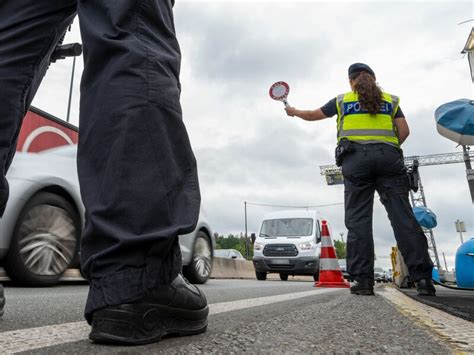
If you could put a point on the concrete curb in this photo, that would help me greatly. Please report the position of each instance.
(223, 268)
(243, 269)
(454, 330)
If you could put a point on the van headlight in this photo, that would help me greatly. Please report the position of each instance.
(305, 246)
(258, 246)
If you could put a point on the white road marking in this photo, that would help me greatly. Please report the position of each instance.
(15, 341)
(217, 308)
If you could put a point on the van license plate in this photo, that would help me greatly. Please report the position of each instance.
(281, 261)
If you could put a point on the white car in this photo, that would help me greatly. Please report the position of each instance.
(289, 243)
(41, 227)
(380, 275)
(228, 254)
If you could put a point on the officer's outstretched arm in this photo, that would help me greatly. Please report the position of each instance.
(402, 128)
(307, 115)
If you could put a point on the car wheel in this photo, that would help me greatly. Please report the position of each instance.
(199, 270)
(2, 300)
(316, 276)
(283, 277)
(45, 241)
(262, 276)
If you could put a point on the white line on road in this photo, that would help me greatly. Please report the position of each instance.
(15, 341)
(261, 301)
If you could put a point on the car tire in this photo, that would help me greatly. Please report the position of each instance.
(262, 276)
(316, 276)
(283, 277)
(45, 241)
(199, 270)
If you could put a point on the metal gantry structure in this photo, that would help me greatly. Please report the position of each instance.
(333, 176)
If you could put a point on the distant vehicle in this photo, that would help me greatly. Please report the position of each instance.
(380, 275)
(343, 266)
(228, 254)
(41, 227)
(289, 243)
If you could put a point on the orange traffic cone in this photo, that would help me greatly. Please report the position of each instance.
(330, 274)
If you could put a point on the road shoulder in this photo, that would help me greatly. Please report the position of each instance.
(453, 330)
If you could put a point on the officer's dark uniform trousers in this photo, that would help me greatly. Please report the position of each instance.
(380, 167)
(137, 172)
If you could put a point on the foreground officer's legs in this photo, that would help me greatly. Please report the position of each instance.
(359, 199)
(392, 186)
(137, 173)
(29, 32)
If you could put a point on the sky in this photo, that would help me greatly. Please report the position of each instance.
(249, 150)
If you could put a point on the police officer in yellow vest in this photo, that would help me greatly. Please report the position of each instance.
(370, 129)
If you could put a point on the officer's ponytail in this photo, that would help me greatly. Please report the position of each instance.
(370, 94)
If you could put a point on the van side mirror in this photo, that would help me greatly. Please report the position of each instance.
(318, 232)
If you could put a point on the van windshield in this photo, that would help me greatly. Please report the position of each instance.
(287, 227)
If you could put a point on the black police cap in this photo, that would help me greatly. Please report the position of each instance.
(360, 67)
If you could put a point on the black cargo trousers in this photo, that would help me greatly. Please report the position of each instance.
(380, 167)
(137, 172)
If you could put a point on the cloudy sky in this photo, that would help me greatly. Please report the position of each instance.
(249, 150)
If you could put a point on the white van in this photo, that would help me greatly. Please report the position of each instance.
(289, 243)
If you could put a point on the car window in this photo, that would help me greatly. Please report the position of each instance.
(287, 227)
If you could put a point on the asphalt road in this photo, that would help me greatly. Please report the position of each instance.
(246, 316)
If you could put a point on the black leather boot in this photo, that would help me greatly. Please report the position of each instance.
(176, 309)
(425, 287)
(364, 287)
(2, 300)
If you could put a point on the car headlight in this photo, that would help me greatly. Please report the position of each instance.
(258, 246)
(306, 246)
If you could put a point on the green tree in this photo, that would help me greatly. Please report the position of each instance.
(340, 247)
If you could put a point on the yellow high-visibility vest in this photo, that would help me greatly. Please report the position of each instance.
(356, 124)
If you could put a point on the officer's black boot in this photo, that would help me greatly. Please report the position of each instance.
(176, 309)
(363, 287)
(425, 287)
(2, 300)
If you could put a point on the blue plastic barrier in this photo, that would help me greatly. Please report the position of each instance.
(465, 264)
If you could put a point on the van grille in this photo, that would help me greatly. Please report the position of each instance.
(280, 250)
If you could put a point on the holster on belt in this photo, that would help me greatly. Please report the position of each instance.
(343, 148)
(413, 176)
